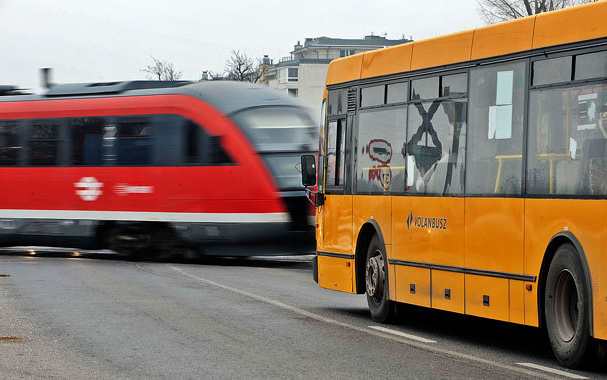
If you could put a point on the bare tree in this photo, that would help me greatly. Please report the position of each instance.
(162, 70)
(240, 67)
(493, 11)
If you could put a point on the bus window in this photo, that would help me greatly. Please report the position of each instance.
(9, 143)
(338, 102)
(426, 88)
(321, 145)
(436, 147)
(43, 141)
(372, 96)
(336, 136)
(568, 141)
(87, 140)
(555, 70)
(495, 129)
(397, 93)
(588, 66)
(380, 164)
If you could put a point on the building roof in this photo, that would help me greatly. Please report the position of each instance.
(367, 42)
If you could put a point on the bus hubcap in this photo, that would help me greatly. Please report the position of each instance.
(566, 305)
(375, 276)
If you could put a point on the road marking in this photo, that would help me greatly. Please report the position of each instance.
(405, 335)
(392, 337)
(552, 370)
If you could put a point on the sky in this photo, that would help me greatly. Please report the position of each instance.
(108, 40)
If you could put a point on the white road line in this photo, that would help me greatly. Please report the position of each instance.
(552, 370)
(394, 338)
(405, 335)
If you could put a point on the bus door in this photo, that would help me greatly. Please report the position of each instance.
(335, 253)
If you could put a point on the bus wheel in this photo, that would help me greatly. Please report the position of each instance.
(376, 281)
(566, 307)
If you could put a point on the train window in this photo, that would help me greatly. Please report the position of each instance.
(555, 70)
(133, 142)
(43, 141)
(87, 141)
(10, 148)
(195, 141)
(217, 154)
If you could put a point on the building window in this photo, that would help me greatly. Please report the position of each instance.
(293, 92)
(293, 74)
(346, 52)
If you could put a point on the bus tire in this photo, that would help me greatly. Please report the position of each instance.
(566, 307)
(376, 283)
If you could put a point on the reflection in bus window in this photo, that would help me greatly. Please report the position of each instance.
(495, 129)
(380, 166)
(436, 147)
(568, 141)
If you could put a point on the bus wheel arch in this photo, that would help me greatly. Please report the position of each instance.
(367, 231)
(566, 301)
(559, 239)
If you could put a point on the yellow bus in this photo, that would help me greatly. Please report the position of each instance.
(468, 173)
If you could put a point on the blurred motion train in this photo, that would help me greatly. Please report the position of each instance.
(143, 166)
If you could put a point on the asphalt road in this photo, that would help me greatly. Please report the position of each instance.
(103, 317)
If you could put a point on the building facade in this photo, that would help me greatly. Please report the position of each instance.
(302, 74)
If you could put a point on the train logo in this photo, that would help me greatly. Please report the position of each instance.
(88, 188)
(123, 189)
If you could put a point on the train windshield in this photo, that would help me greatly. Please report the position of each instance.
(280, 128)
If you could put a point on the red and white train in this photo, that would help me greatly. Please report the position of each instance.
(143, 164)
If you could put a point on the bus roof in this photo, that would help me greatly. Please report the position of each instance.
(568, 25)
(227, 96)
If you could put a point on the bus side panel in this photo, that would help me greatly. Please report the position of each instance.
(377, 208)
(338, 232)
(335, 273)
(487, 297)
(428, 230)
(585, 219)
(413, 285)
(514, 36)
(443, 50)
(494, 242)
(395, 59)
(448, 291)
(570, 25)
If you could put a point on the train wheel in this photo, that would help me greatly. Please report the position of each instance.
(566, 308)
(376, 281)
